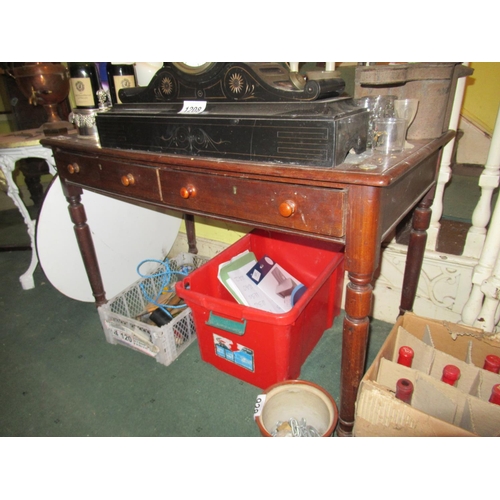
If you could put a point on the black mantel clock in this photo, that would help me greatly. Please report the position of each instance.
(233, 82)
(260, 112)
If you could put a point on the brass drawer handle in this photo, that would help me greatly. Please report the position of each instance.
(73, 168)
(128, 180)
(287, 208)
(188, 191)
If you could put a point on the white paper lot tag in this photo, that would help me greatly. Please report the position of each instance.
(193, 107)
(259, 404)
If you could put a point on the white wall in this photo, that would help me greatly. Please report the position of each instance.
(474, 145)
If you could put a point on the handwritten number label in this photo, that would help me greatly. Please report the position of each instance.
(193, 107)
(259, 403)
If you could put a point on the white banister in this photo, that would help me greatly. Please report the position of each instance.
(471, 314)
(484, 299)
(445, 167)
(488, 182)
(490, 312)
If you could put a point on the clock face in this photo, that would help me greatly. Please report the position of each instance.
(193, 68)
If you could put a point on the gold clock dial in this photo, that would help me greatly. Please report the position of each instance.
(193, 68)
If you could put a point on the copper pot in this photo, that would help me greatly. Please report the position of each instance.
(45, 84)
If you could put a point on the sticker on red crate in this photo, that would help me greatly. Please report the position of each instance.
(234, 352)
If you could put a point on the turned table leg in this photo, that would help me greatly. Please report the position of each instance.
(362, 253)
(33, 169)
(191, 233)
(85, 242)
(354, 344)
(416, 250)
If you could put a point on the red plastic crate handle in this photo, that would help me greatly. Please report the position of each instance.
(228, 325)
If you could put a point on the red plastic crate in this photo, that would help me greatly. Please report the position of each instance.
(256, 346)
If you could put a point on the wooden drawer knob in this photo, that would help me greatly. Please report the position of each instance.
(188, 191)
(128, 180)
(287, 208)
(73, 168)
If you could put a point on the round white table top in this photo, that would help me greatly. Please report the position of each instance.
(124, 235)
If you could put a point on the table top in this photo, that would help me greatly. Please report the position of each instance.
(317, 201)
(365, 169)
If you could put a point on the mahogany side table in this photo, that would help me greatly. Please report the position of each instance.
(355, 204)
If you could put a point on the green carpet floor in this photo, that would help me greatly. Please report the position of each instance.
(61, 378)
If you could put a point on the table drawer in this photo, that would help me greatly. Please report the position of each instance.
(123, 178)
(302, 208)
(78, 169)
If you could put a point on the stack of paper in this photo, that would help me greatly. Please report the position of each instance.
(262, 284)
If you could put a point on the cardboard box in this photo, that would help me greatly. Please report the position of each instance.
(436, 409)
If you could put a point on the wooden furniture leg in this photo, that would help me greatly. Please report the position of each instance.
(362, 253)
(416, 250)
(85, 243)
(33, 169)
(191, 234)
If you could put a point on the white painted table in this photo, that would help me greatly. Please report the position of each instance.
(14, 147)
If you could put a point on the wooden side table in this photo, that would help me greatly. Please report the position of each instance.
(14, 147)
(355, 204)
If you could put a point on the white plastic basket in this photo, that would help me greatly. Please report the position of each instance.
(165, 343)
